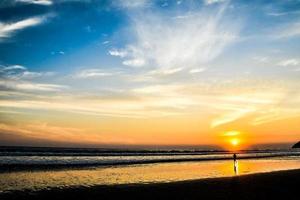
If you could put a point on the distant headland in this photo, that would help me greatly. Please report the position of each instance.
(297, 145)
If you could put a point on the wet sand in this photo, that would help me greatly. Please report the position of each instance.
(274, 185)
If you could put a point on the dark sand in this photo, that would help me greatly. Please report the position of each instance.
(275, 185)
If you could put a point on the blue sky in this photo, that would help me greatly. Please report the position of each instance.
(94, 27)
(67, 27)
(224, 61)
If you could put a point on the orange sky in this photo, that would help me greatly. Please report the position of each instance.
(32, 127)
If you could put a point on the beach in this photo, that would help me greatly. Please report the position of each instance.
(272, 185)
(49, 174)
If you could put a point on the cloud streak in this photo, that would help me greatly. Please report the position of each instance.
(14, 72)
(131, 4)
(210, 2)
(30, 86)
(290, 30)
(289, 62)
(260, 108)
(18, 77)
(8, 29)
(91, 73)
(38, 2)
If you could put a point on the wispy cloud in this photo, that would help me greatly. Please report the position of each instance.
(91, 73)
(237, 107)
(20, 72)
(284, 108)
(164, 42)
(278, 14)
(118, 53)
(136, 62)
(261, 59)
(38, 2)
(290, 30)
(197, 70)
(39, 87)
(11, 68)
(163, 72)
(18, 77)
(8, 29)
(210, 2)
(233, 115)
(131, 4)
(258, 107)
(30, 86)
(91, 107)
(289, 62)
(37, 131)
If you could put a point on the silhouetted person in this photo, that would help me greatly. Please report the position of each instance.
(235, 163)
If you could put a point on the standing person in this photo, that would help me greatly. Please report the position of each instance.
(235, 163)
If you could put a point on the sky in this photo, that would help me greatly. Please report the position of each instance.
(150, 73)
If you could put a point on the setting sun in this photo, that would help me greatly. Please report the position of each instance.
(232, 139)
(235, 141)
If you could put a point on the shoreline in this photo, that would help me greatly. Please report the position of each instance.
(49, 166)
(278, 184)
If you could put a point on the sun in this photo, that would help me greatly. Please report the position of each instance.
(234, 141)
